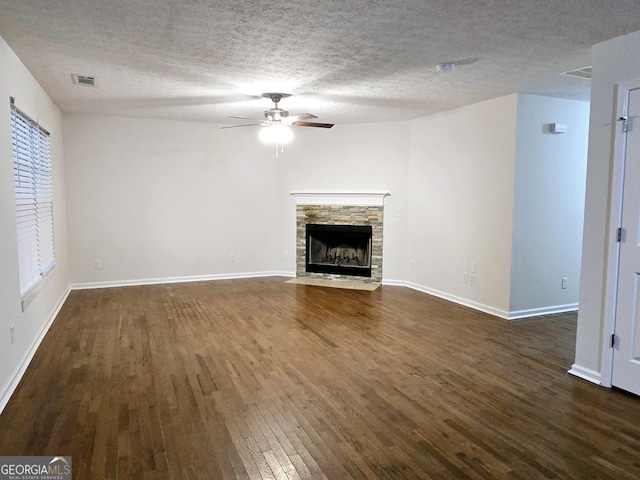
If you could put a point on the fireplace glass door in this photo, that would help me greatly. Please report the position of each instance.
(339, 249)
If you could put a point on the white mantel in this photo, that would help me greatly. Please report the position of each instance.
(341, 198)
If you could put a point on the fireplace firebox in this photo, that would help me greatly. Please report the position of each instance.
(339, 249)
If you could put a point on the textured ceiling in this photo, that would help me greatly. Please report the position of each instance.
(345, 61)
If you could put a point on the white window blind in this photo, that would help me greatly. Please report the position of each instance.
(32, 178)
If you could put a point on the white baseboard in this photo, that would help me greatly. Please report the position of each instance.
(508, 315)
(586, 374)
(447, 296)
(14, 380)
(535, 312)
(193, 278)
(284, 274)
(512, 315)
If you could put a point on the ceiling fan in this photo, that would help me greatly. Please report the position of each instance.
(278, 116)
(277, 122)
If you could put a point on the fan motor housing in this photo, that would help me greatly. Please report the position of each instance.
(275, 114)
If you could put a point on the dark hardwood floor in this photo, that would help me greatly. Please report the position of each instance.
(258, 379)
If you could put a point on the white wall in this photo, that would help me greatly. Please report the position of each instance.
(614, 61)
(348, 158)
(548, 209)
(460, 182)
(489, 184)
(16, 81)
(157, 199)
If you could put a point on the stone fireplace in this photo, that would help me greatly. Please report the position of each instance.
(339, 236)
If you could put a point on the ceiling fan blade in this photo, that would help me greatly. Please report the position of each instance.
(303, 116)
(245, 118)
(245, 125)
(312, 124)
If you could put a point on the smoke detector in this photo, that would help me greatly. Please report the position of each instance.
(85, 80)
(445, 67)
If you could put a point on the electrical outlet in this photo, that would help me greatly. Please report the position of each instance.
(465, 277)
(564, 283)
(472, 267)
(472, 279)
(12, 330)
(285, 255)
(232, 257)
(97, 264)
(397, 212)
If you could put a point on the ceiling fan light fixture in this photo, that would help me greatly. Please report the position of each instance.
(276, 128)
(277, 133)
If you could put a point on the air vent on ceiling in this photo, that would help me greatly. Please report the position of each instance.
(584, 72)
(83, 80)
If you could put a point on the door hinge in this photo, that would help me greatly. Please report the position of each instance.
(612, 341)
(625, 123)
(619, 234)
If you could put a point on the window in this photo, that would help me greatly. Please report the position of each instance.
(33, 186)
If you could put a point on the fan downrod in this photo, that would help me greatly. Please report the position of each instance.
(276, 97)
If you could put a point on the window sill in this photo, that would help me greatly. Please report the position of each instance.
(31, 294)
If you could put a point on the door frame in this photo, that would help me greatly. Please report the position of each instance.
(621, 93)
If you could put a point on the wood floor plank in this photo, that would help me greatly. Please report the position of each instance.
(262, 380)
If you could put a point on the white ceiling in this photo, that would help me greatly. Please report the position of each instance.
(347, 61)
